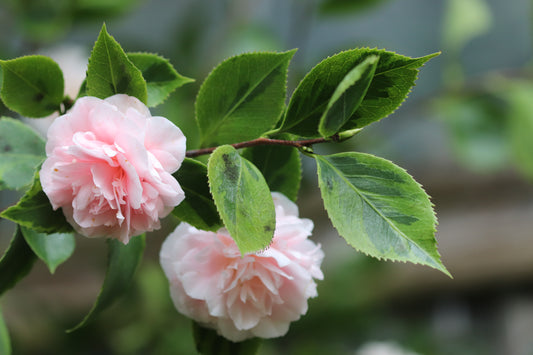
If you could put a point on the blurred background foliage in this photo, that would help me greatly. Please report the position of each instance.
(465, 133)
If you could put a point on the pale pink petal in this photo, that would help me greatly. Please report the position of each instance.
(270, 328)
(124, 102)
(103, 176)
(284, 206)
(166, 142)
(258, 294)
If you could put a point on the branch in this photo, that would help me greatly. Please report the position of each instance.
(265, 141)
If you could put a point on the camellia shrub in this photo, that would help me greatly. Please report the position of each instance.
(241, 264)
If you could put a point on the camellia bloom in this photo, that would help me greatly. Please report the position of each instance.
(255, 295)
(109, 166)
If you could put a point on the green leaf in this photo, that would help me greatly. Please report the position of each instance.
(242, 198)
(110, 71)
(53, 249)
(123, 261)
(281, 166)
(378, 208)
(34, 211)
(32, 86)
(242, 98)
(198, 209)
(16, 262)
(208, 342)
(161, 77)
(5, 343)
(393, 78)
(21, 152)
(347, 96)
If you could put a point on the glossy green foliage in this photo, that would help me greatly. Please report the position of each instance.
(393, 78)
(198, 209)
(53, 249)
(110, 71)
(208, 342)
(35, 212)
(16, 262)
(21, 152)
(280, 165)
(123, 261)
(242, 98)
(161, 77)
(378, 208)
(32, 86)
(242, 198)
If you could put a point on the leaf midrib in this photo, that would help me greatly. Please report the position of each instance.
(111, 68)
(238, 188)
(215, 127)
(26, 81)
(400, 67)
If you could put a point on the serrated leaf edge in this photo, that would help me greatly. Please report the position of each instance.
(218, 66)
(187, 80)
(383, 50)
(400, 259)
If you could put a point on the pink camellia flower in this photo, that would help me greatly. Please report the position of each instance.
(255, 295)
(109, 167)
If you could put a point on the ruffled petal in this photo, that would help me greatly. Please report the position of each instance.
(99, 170)
(258, 294)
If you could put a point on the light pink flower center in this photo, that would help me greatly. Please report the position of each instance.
(251, 283)
(110, 189)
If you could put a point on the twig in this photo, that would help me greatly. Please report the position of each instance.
(265, 141)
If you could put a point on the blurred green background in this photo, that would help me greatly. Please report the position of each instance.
(465, 134)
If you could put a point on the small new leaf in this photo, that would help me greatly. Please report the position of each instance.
(393, 78)
(53, 249)
(34, 211)
(378, 208)
(110, 71)
(123, 261)
(242, 98)
(161, 77)
(347, 96)
(32, 86)
(21, 152)
(242, 198)
(198, 209)
(16, 262)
